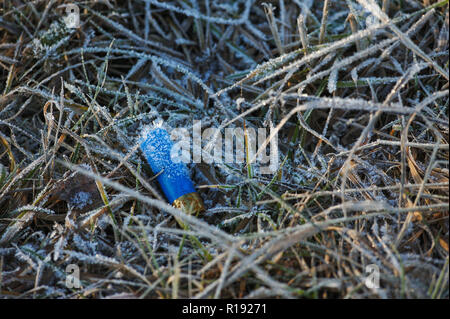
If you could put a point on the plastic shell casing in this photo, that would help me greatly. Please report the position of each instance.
(172, 176)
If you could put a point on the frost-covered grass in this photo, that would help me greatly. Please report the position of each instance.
(357, 91)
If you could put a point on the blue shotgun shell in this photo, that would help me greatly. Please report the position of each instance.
(173, 176)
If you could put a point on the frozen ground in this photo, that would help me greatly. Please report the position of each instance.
(356, 90)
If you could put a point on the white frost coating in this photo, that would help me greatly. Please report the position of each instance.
(197, 15)
(81, 199)
(158, 152)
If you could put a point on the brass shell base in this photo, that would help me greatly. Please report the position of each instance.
(190, 203)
